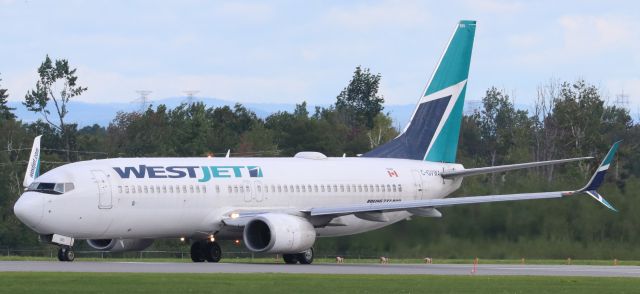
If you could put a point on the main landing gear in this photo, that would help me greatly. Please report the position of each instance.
(205, 250)
(65, 253)
(304, 257)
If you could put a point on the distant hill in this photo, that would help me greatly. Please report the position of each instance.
(103, 113)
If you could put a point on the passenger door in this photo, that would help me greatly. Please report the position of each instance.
(105, 200)
(417, 184)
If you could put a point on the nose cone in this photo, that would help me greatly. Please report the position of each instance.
(29, 209)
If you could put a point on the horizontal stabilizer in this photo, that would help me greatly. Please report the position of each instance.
(503, 168)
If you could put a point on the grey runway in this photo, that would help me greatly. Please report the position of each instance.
(386, 269)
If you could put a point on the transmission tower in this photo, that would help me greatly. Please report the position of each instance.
(622, 100)
(143, 100)
(190, 96)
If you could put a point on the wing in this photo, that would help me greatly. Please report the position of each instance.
(589, 189)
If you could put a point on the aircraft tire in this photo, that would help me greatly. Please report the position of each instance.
(212, 252)
(305, 257)
(66, 254)
(290, 258)
(197, 251)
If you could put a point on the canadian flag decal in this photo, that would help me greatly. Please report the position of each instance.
(392, 173)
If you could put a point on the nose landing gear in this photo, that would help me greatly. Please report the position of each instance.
(65, 253)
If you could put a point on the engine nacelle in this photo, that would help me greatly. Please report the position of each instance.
(279, 233)
(120, 245)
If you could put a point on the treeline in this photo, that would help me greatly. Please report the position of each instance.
(570, 120)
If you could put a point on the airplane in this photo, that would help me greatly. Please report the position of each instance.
(274, 205)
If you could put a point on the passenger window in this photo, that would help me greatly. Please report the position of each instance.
(184, 189)
(359, 188)
(241, 189)
(399, 188)
(146, 189)
(139, 189)
(198, 189)
(191, 189)
(164, 189)
(280, 189)
(291, 188)
(309, 188)
(348, 188)
(377, 188)
(204, 189)
(285, 189)
(341, 188)
(133, 189)
(120, 189)
(371, 188)
(304, 189)
(322, 188)
(366, 189)
(383, 189)
(126, 189)
(248, 189)
(394, 187)
(388, 188)
(171, 189)
(297, 189)
(259, 188)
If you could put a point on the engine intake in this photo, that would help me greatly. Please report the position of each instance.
(120, 245)
(278, 233)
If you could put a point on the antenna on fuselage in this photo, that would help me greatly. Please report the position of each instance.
(228, 153)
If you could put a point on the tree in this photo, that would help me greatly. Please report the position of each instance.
(5, 111)
(359, 102)
(54, 76)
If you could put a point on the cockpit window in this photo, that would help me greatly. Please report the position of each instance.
(51, 188)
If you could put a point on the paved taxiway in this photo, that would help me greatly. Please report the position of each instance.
(386, 269)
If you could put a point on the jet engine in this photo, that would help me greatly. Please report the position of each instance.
(279, 233)
(120, 245)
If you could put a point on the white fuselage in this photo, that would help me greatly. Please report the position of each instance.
(186, 197)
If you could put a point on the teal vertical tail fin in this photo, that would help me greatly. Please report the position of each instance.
(433, 130)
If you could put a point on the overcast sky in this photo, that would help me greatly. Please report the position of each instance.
(289, 51)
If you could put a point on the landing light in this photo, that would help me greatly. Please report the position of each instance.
(237, 242)
(181, 239)
(212, 238)
(235, 215)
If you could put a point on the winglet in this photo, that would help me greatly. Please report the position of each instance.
(598, 178)
(33, 168)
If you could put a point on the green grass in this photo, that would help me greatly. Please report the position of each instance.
(296, 283)
(331, 260)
